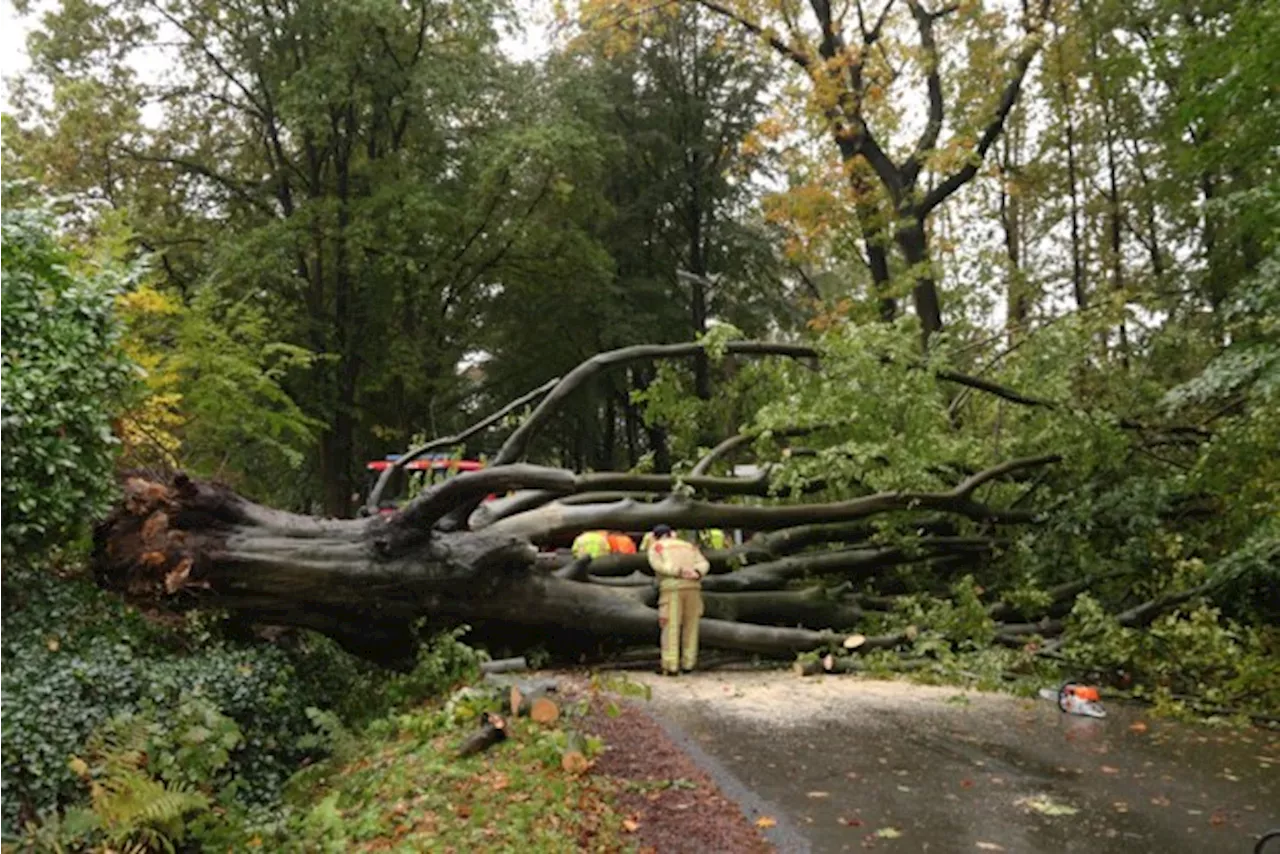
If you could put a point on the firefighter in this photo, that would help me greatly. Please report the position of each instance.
(679, 567)
(592, 544)
(621, 544)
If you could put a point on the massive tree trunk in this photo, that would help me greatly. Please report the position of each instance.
(449, 558)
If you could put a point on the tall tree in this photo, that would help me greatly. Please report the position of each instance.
(847, 53)
(362, 173)
(676, 223)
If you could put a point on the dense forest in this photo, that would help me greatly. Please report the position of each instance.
(986, 293)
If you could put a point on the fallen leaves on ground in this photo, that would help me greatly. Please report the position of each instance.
(990, 846)
(1138, 727)
(1045, 805)
(630, 825)
(1109, 769)
(765, 821)
(818, 794)
(888, 833)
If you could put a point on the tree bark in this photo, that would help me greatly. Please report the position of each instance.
(364, 582)
(914, 244)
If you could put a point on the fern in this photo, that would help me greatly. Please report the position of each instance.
(132, 810)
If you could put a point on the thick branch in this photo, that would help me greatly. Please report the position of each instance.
(849, 563)
(518, 442)
(933, 126)
(1057, 595)
(991, 133)
(814, 606)
(967, 486)
(1015, 634)
(432, 505)
(678, 511)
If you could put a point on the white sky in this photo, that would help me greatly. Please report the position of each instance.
(534, 43)
(13, 48)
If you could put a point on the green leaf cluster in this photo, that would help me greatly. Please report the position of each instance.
(65, 377)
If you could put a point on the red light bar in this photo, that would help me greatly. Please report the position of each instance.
(429, 465)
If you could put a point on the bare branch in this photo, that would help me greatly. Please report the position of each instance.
(967, 486)
(731, 444)
(517, 443)
(448, 441)
(790, 52)
(998, 390)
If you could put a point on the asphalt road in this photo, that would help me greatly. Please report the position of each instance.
(844, 764)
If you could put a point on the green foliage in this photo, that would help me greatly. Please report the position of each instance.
(170, 716)
(442, 663)
(1192, 654)
(232, 371)
(128, 806)
(64, 379)
(402, 785)
(227, 709)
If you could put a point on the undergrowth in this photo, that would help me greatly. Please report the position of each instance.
(127, 730)
(1190, 663)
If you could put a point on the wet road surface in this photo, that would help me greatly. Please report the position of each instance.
(843, 764)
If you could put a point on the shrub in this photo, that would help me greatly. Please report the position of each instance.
(64, 375)
(75, 657)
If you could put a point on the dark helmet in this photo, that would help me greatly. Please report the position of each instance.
(660, 531)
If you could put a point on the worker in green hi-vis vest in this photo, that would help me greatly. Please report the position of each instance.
(680, 567)
(591, 544)
(713, 538)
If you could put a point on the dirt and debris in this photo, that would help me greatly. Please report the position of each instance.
(671, 805)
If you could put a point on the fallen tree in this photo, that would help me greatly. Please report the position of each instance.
(446, 559)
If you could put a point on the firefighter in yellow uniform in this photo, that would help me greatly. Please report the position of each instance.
(680, 568)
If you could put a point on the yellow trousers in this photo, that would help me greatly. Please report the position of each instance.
(678, 614)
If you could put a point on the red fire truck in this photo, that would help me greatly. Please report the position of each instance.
(422, 473)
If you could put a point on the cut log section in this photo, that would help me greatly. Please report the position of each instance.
(573, 759)
(505, 665)
(492, 730)
(530, 699)
(544, 711)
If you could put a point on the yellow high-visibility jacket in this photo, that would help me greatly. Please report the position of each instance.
(669, 555)
(591, 543)
(713, 538)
